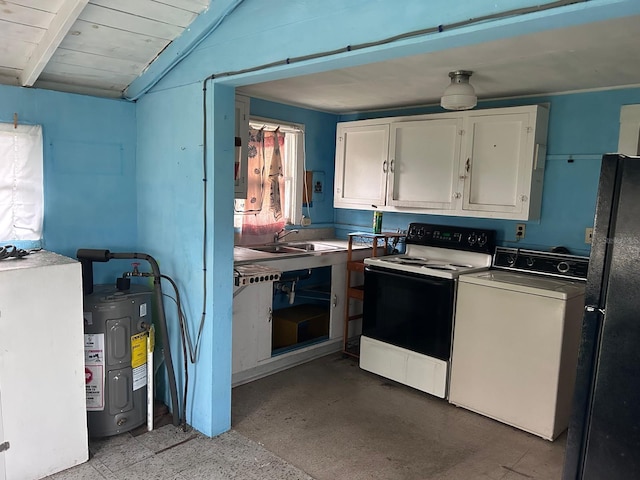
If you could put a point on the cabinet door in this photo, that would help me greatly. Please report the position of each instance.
(241, 144)
(251, 326)
(423, 167)
(497, 163)
(338, 289)
(361, 165)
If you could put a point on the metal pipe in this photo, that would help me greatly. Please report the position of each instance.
(87, 256)
(162, 324)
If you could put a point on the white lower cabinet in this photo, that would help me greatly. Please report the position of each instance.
(484, 163)
(254, 355)
(251, 326)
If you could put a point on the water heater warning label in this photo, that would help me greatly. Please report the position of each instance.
(139, 360)
(94, 370)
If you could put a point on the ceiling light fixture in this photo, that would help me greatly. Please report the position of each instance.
(460, 95)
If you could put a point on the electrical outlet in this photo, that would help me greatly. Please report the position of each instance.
(588, 235)
(520, 230)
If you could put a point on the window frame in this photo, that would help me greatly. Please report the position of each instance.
(294, 187)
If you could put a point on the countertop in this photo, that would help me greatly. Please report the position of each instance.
(242, 255)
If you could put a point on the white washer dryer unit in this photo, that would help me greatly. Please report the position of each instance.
(516, 341)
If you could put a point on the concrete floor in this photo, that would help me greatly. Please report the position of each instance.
(335, 421)
(168, 453)
(329, 420)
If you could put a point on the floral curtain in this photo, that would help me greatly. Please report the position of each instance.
(263, 207)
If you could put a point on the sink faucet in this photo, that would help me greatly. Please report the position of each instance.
(277, 237)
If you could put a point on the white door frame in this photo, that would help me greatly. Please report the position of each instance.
(629, 139)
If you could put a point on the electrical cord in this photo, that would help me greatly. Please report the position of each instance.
(11, 251)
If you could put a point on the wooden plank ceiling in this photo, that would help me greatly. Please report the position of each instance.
(95, 47)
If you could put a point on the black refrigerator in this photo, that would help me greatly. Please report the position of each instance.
(604, 431)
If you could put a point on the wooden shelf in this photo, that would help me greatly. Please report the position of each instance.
(351, 346)
(356, 292)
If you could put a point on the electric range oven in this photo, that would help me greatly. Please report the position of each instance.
(409, 301)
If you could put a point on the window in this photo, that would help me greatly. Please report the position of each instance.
(274, 181)
(21, 197)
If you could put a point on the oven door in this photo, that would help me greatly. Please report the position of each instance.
(409, 310)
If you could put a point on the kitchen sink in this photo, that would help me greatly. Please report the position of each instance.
(277, 249)
(294, 248)
(311, 246)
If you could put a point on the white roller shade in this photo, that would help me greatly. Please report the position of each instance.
(21, 197)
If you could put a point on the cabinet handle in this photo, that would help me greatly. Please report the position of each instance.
(467, 165)
(270, 314)
(524, 198)
(384, 166)
(391, 166)
(457, 195)
(334, 302)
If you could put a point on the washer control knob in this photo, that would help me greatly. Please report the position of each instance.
(530, 262)
(472, 239)
(563, 267)
(482, 240)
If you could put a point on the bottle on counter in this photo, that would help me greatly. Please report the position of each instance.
(377, 221)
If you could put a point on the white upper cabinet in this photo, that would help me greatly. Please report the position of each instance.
(502, 162)
(484, 163)
(241, 146)
(423, 166)
(361, 164)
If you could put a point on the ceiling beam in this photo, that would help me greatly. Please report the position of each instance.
(67, 15)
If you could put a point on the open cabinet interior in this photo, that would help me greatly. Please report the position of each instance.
(301, 309)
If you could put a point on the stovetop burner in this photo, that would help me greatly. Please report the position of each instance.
(440, 266)
(406, 260)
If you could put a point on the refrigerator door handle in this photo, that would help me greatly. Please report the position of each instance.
(591, 308)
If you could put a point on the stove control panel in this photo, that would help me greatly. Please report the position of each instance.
(572, 267)
(445, 236)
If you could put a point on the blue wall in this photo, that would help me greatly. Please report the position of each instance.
(582, 127)
(259, 32)
(89, 169)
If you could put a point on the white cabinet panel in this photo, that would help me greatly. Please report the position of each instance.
(338, 288)
(241, 146)
(494, 179)
(501, 167)
(423, 169)
(251, 326)
(361, 165)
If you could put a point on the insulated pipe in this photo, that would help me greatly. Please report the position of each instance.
(87, 256)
